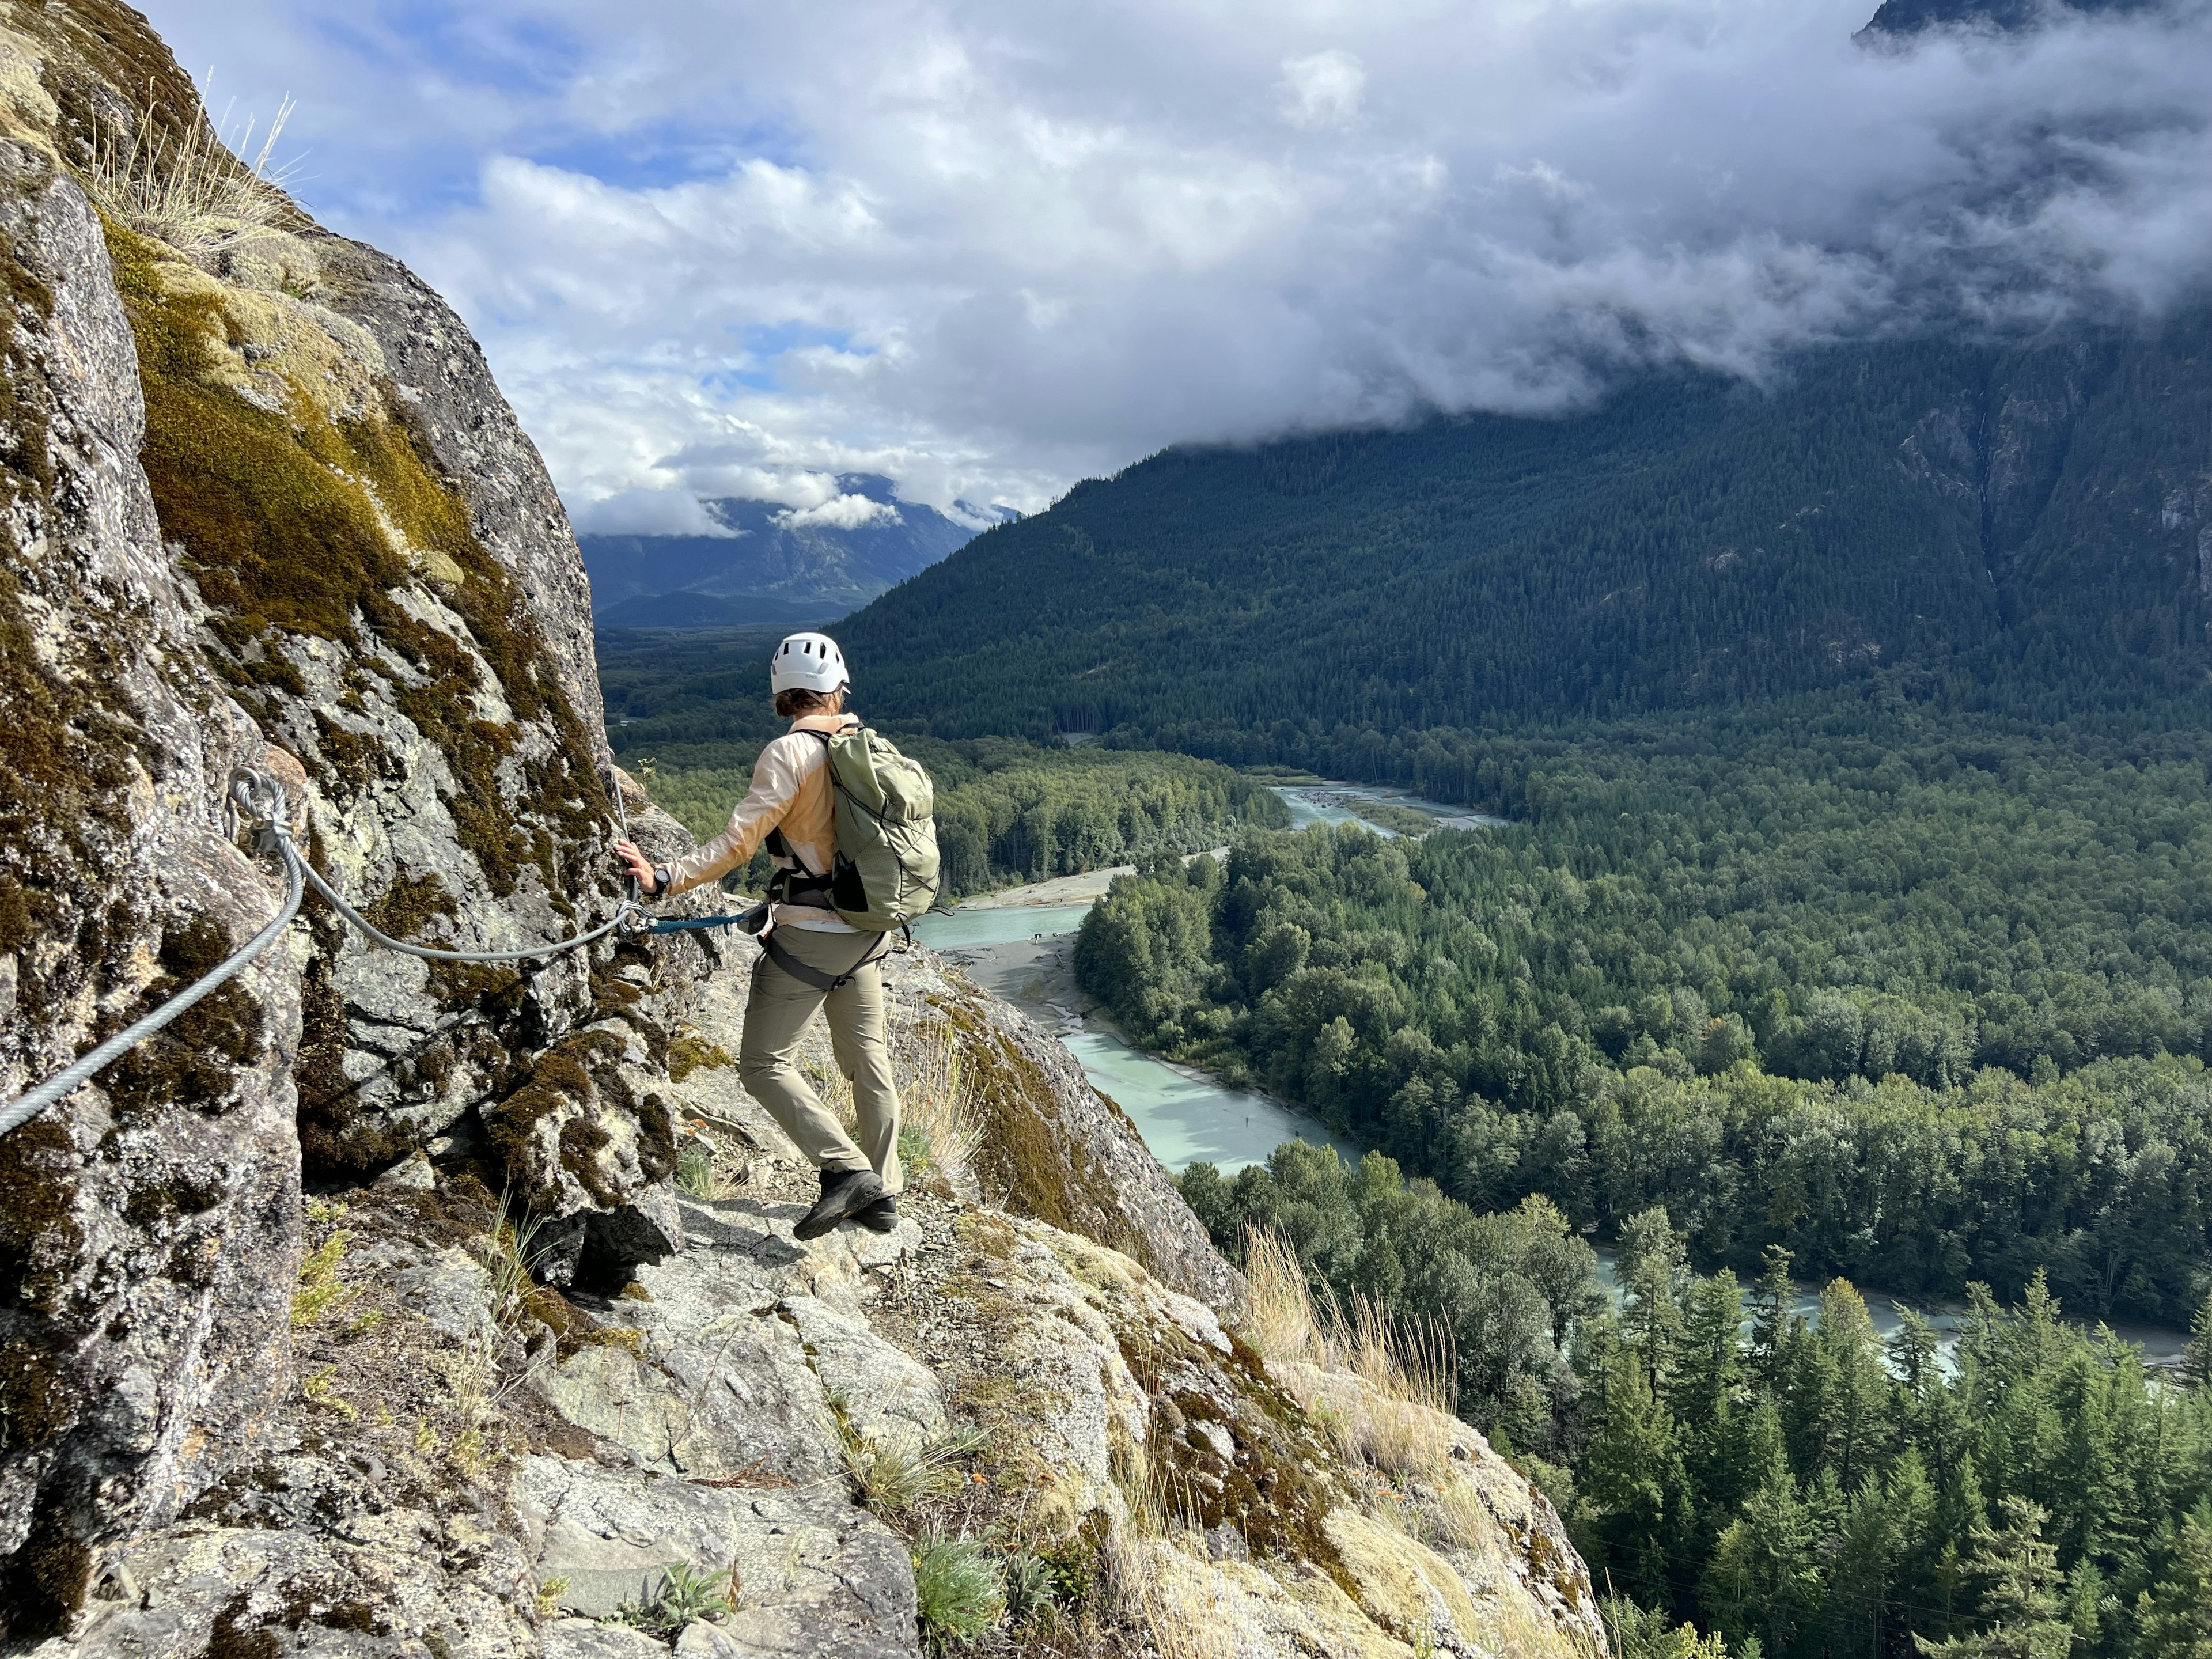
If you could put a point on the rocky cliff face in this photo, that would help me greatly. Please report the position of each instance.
(362, 1311)
(740, 1450)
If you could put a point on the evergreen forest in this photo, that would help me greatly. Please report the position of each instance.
(1743, 1479)
(1918, 1000)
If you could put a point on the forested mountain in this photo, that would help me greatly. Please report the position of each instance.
(2033, 521)
(774, 565)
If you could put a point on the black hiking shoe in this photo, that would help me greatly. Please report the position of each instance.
(843, 1191)
(880, 1217)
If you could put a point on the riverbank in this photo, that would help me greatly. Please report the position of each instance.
(1085, 888)
(1022, 948)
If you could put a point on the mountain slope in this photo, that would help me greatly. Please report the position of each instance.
(2033, 516)
(775, 565)
(1905, 17)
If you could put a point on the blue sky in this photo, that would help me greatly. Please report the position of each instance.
(989, 247)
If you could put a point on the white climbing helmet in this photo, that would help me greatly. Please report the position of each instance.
(806, 662)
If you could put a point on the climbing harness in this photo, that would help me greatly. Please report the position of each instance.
(755, 919)
(876, 949)
(261, 799)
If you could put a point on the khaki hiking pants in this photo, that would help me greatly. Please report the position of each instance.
(768, 1064)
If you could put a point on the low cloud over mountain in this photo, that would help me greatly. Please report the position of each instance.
(985, 248)
(752, 561)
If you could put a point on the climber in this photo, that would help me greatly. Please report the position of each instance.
(827, 963)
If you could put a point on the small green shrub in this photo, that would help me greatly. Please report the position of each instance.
(1074, 1566)
(956, 1592)
(1031, 1586)
(914, 1152)
(695, 1171)
(682, 1593)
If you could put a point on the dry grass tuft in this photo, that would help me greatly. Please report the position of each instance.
(892, 1478)
(1401, 1420)
(512, 1264)
(1413, 1383)
(1157, 1572)
(1158, 1499)
(1280, 1321)
(1164, 1588)
(193, 192)
(938, 1100)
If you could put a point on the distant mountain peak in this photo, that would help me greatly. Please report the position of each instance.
(771, 560)
(873, 485)
(1906, 18)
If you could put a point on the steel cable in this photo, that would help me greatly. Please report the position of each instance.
(263, 800)
(23, 1109)
(300, 865)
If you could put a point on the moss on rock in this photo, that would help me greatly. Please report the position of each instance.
(195, 1060)
(1024, 1153)
(310, 520)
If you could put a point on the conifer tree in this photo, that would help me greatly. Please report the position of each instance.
(2197, 1357)
(1633, 1473)
(1708, 1379)
(1763, 1580)
(1863, 1562)
(2020, 1607)
(2176, 1617)
(1653, 1266)
(1709, 1365)
(1910, 1498)
(2086, 1605)
(1856, 1415)
(1771, 1298)
(1911, 1353)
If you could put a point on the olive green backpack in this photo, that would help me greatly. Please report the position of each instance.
(883, 873)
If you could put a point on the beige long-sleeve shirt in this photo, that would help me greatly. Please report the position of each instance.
(792, 792)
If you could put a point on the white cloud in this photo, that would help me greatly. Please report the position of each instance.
(985, 248)
(1322, 93)
(842, 513)
(673, 512)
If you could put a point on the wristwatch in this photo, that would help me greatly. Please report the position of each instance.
(660, 881)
